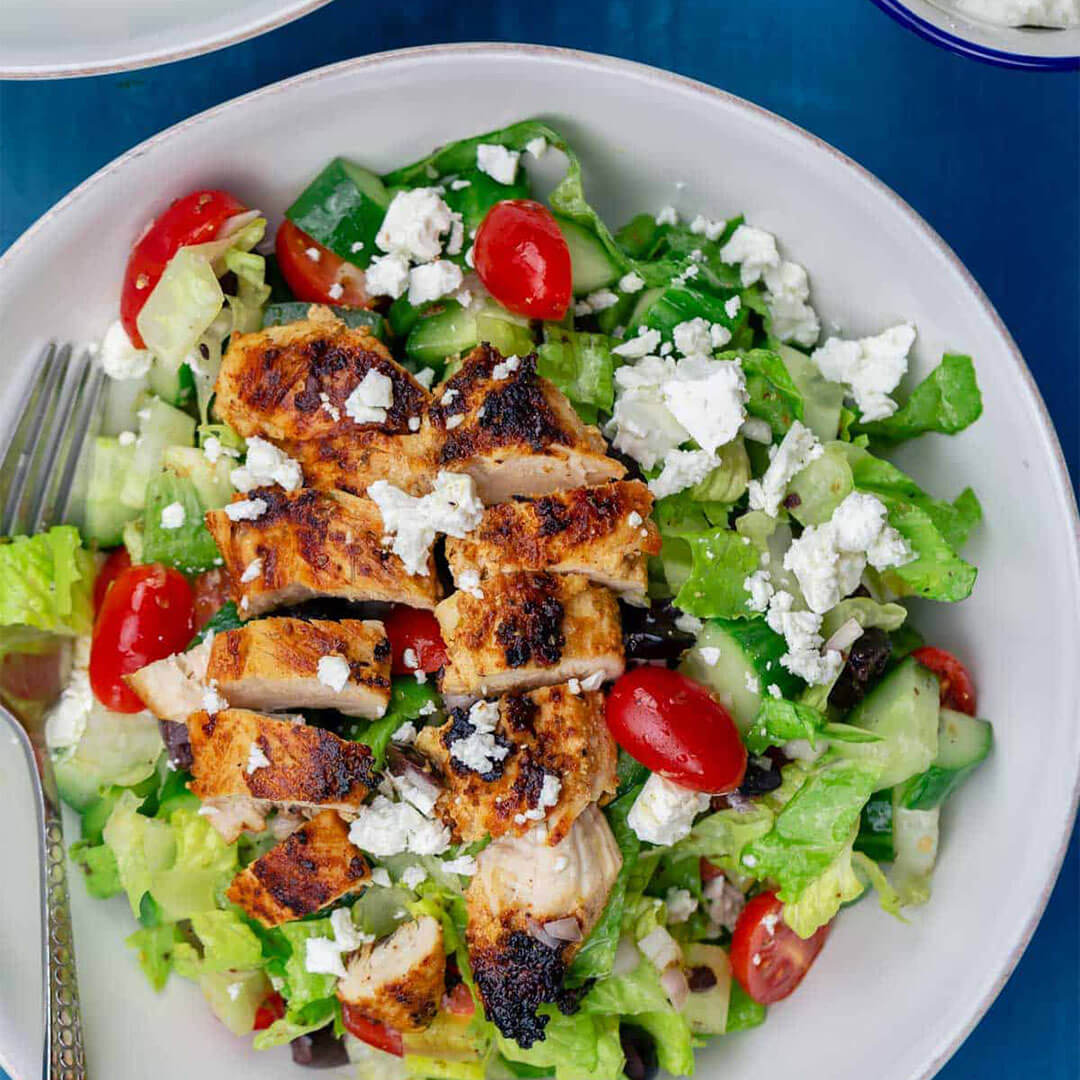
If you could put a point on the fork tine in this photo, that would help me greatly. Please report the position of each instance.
(87, 398)
(19, 456)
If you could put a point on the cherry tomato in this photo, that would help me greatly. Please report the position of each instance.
(146, 615)
(767, 957)
(381, 1036)
(708, 871)
(317, 278)
(271, 1009)
(211, 590)
(459, 1002)
(957, 689)
(410, 628)
(522, 259)
(195, 219)
(117, 562)
(674, 726)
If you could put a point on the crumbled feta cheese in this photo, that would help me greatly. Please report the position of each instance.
(798, 449)
(719, 335)
(871, 367)
(801, 631)
(641, 424)
(323, 957)
(347, 936)
(631, 283)
(634, 519)
(173, 516)
(470, 258)
(412, 876)
(370, 398)
(246, 510)
(429, 708)
(410, 659)
(756, 430)
(332, 410)
(478, 750)
(333, 671)
(336, 291)
(66, 720)
(414, 423)
(469, 581)
(313, 253)
(498, 162)
(593, 681)
(682, 469)
(537, 147)
(212, 700)
(710, 654)
(688, 624)
(425, 377)
(119, 358)
(453, 507)
(732, 306)
(460, 185)
(573, 686)
(233, 990)
(454, 246)
(430, 281)
(405, 734)
(753, 250)
(664, 812)
(774, 690)
(636, 347)
(692, 338)
(414, 224)
(708, 399)
(356, 246)
(252, 571)
(381, 876)
(463, 864)
(126, 438)
(752, 684)
(266, 465)
(454, 421)
(387, 275)
(213, 450)
(505, 368)
(787, 290)
(681, 904)
(759, 586)
(595, 302)
(668, 215)
(385, 828)
(257, 759)
(549, 797)
(711, 230)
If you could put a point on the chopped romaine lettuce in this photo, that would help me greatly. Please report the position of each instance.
(226, 943)
(823, 895)
(721, 561)
(579, 1047)
(47, 581)
(581, 366)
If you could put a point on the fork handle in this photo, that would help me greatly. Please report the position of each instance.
(64, 1058)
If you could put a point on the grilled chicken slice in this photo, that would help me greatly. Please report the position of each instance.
(245, 763)
(522, 886)
(310, 869)
(314, 543)
(529, 630)
(274, 664)
(400, 980)
(290, 384)
(560, 758)
(516, 435)
(602, 532)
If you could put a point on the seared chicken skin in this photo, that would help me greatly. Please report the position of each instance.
(399, 981)
(290, 384)
(560, 758)
(602, 532)
(311, 868)
(521, 888)
(273, 664)
(312, 543)
(529, 630)
(245, 763)
(516, 435)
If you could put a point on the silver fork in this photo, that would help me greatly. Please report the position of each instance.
(37, 478)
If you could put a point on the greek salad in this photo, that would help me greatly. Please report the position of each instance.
(489, 648)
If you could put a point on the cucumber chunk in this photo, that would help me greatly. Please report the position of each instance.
(593, 268)
(706, 1011)
(160, 425)
(106, 515)
(875, 836)
(822, 400)
(211, 482)
(455, 330)
(903, 710)
(680, 303)
(235, 996)
(343, 208)
(174, 385)
(296, 311)
(963, 742)
(746, 665)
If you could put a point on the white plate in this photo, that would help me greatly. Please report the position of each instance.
(45, 39)
(885, 999)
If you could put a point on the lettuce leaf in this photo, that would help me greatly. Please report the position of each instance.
(638, 991)
(579, 1047)
(821, 898)
(155, 946)
(779, 721)
(946, 401)
(743, 1011)
(140, 845)
(201, 869)
(227, 944)
(725, 833)
(721, 561)
(298, 1021)
(303, 987)
(674, 1040)
(774, 396)
(101, 874)
(581, 366)
(47, 581)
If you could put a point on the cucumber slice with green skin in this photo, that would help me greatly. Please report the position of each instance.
(235, 996)
(706, 1011)
(875, 836)
(640, 236)
(211, 481)
(644, 301)
(106, 515)
(593, 268)
(963, 743)
(822, 400)
(177, 387)
(903, 710)
(453, 330)
(481, 192)
(403, 316)
(681, 303)
(160, 425)
(296, 311)
(343, 208)
(746, 665)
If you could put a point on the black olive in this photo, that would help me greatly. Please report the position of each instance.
(762, 776)
(640, 1052)
(320, 1049)
(174, 734)
(633, 469)
(866, 663)
(651, 634)
(792, 501)
(701, 978)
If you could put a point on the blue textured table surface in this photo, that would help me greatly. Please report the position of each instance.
(991, 158)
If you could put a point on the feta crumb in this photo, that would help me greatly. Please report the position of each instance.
(759, 586)
(708, 398)
(631, 283)
(719, 335)
(711, 230)
(710, 654)
(266, 465)
(752, 684)
(385, 828)
(537, 147)
(323, 957)
(213, 450)
(313, 253)
(787, 290)
(756, 430)
(478, 750)
(505, 368)
(682, 469)
(688, 624)
(732, 306)
(664, 812)
(173, 516)
(636, 347)
(119, 358)
(370, 398)
(463, 864)
(246, 510)
(126, 438)
(212, 700)
(593, 681)
(429, 708)
(333, 671)
(774, 690)
(387, 275)
(668, 215)
(595, 302)
(356, 246)
(680, 904)
(252, 571)
(405, 734)
(425, 377)
(336, 291)
(414, 423)
(233, 990)
(381, 876)
(573, 686)
(347, 936)
(412, 876)
(870, 367)
(460, 185)
(753, 250)
(414, 224)
(433, 280)
(257, 759)
(410, 659)
(469, 581)
(332, 410)
(454, 421)
(498, 162)
(799, 447)
(634, 519)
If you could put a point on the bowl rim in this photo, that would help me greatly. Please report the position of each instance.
(962, 46)
(289, 11)
(639, 70)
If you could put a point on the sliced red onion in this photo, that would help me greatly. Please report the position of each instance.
(675, 986)
(535, 930)
(844, 637)
(567, 929)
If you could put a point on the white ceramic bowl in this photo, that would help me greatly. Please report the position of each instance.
(1028, 47)
(885, 999)
(47, 39)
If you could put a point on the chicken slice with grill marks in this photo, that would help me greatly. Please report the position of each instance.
(560, 758)
(602, 532)
(400, 980)
(292, 385)
(529, 630)
(246, 763)
(310, 543)
(521, 888)
(311, 868)
(514, 435)
(281, 663)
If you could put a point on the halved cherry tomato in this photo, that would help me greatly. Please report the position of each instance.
(271, 1009)
(957, 689)
(674, 726)
(708, 871)
(145, 616)
(314, 273)
(410, 628)
(767, 957)
(381, 1036)
(522, 259)
(211, 589)
(117, 562)
(195, 219)
(459, 1002)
